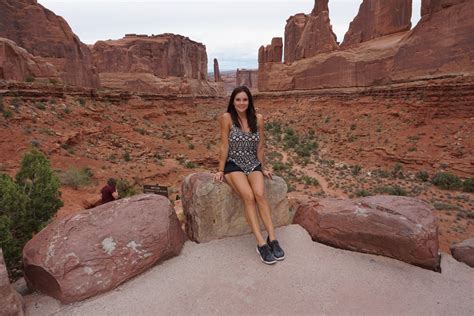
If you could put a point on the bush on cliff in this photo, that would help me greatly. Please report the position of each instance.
(446, 180)
(26, 205)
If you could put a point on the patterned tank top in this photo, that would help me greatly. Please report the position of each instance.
(243, 149)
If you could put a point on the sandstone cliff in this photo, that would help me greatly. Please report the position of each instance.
(247, 77)
(164, 63)
(43, 33)
(378, 18)
(17, 64)
(440, 45)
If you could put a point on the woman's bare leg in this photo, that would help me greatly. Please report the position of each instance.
(258, 188)
(239, 182)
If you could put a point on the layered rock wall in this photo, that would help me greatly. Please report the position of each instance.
(247, 78)
(43, 33)
(440, 45)
(293, 30)
(17, 64)
(317, 36)
(378, 18)
(271, 53)
(167, 63)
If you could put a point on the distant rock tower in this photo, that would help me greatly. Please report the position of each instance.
(217, 73)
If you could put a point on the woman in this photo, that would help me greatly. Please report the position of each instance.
(241, 163)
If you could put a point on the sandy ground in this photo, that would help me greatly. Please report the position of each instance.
(226, 277)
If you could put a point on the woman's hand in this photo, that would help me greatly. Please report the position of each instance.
(219, 176)
(267, 173)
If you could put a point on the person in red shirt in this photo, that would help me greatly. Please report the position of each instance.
(109, 192)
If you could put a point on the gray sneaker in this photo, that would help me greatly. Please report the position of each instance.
(266, 254)
(277, 252)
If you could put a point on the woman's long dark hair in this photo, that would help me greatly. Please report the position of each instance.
(251, 116)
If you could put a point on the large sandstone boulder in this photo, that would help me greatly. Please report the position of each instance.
(378, 18)
(464, 251)
(17, 64)
(95, 250)
(10, 301)
(43, 33)
(214, 211)
(398, 227)
(317, 36)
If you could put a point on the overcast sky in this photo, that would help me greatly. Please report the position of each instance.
(231, 30)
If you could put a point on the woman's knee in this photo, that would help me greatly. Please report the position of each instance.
(248, 197)
(259, 196)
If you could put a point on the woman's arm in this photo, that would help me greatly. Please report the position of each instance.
(224, 145)
(261, 146)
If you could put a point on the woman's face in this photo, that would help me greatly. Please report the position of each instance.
(241, 102)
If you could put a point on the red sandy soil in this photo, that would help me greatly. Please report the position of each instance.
(169, 138)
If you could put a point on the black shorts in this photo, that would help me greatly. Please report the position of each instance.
(230, 166)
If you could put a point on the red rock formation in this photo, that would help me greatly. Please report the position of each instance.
(317, 36)
(93, 251)
(17, 64)
(431, 6)
(164, 63)
(378, 18)
(440, 45)
(217, 73)
(398, 227)
(293, 30)
(42, 33)
(271, 53)
(246, 77)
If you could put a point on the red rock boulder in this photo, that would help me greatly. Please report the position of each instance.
(43, 33)
(10, 301)
(398, 227)
(378, 18)
(95, 250)
(17, 64)
(464, 251)
(214, 210)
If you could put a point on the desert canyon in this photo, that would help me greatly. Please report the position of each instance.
(356, 122)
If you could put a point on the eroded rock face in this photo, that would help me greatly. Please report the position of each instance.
(17, 64)
(293, 30)
(440, 45)
(43, 33)
(398, 227)
(378, 18)
(95, 250)
(464, 251)
(167, 63)
(317, 36)
(271, 53)
(214, 211)
(217, 73)
(10, 301)
(247, 77)
(431, 6)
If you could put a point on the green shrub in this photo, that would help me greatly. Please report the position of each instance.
(190, 165)
(40, 105)
(126, 156)
(125, 189)
(446, 180)
(30, 78)
(309, 180)
(362, 192)
(76, 178)
(27, 204)
(392, 190)
(468, 185)
(422, 175)
(356, 170)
